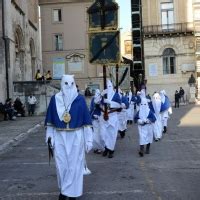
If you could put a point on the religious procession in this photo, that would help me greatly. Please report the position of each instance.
(73, 129)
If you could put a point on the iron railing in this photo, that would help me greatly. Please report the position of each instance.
(168, 29)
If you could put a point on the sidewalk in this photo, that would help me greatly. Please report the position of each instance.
(12, 132)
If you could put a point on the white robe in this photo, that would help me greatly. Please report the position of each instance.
(97, 140)
(157, 127)
(130, 111)
(122, 117)
(145, 134)
(69, 158)
(109, 130)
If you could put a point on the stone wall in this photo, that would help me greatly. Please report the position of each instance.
(43, 91)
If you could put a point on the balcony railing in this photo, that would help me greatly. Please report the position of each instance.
(168, 29)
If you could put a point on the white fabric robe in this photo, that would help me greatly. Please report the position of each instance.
(97, 140)
(122, 117)
(109, 130)
(70, 158)
(157, 127)
(130, 111)
(145, 134)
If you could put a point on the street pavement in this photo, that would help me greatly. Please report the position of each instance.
(170, 172)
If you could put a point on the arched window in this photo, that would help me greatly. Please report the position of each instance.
(169, 61)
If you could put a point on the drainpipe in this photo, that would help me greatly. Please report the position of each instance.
(6, 42)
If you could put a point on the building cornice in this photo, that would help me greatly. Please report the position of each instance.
(47, 2)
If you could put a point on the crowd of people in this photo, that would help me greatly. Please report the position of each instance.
(72, 129)
(13, 109)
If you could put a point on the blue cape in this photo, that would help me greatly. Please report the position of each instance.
(166, 105)
(124, 100)
(79, 112)
(116, 98)
(151, 107)
(151, 117)
(94, 109)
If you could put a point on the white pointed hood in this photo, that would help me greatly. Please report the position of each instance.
(144, 109)
(66, 96)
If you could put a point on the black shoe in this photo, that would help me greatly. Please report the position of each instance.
(147, 149)
(131, 121)
(62, 197)
(122, 134)
(110, 155)
(165, 129)
(72, 198)
(156, 140)
(141, 154)
(105, 153)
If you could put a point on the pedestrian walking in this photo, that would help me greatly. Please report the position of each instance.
(155, 107)
(144, 118)
(181, 95)
(177, 98)
(123, 114)
(95, 112)
(69, 133)
(109, 128)
(166, 109)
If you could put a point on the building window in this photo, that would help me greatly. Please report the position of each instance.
(167, 15)
(169, 61)
(57, 15)
(58, 41)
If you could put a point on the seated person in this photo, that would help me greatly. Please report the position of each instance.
(38, 76)
(48, 75)
(9, 110)
(2, 108)
(19, 107)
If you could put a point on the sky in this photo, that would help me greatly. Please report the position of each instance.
(125, 14)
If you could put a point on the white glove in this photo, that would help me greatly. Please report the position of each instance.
(104, 92)
(170, 110)
(107, 101)
(50, 133)
(97, 100)
(140, 122)
(148, 121)
(123, 105)
(96, 116)
(88, 147)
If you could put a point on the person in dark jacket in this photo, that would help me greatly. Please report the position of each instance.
(19, 107)
(177, 97)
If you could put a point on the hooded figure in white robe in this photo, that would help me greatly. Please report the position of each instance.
(157, 126)
(144, 118)
(123, 114)
(95, 112)
(109, 128)
(68, 125)
(130, 110)
(166, 109)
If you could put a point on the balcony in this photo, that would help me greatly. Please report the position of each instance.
(171, 30)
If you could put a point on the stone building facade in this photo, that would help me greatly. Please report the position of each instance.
(64, 27)
(19, 44)
(170, 43)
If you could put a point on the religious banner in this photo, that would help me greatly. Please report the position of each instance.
(103, 14)
(104, 47)
(125, 84)
(58, 67)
